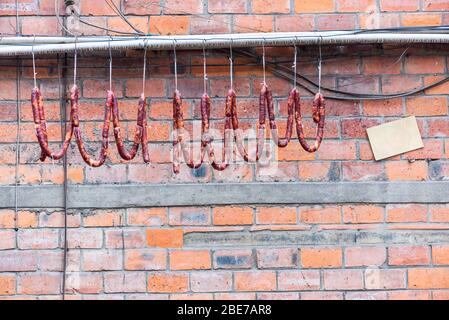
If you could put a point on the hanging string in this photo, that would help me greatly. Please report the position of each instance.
(319, 66)
(175, 64)
(231, 66)
(34, 63)
(75, 59)
(110, 66)
(264, 64)
(295, 66)
(205, 66)
(144, 69)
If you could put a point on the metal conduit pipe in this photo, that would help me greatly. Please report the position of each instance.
(12, 46)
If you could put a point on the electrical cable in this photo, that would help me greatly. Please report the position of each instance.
(117, 11)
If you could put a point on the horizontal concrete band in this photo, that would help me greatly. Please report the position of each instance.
(304, 238)
(171, 195)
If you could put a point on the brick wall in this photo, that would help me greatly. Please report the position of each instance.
(242, 252)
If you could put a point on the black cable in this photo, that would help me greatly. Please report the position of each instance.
(117, 11)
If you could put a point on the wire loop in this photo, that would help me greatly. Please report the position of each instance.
(204, 66)
(175, 61)
(295, 66)
(34, 63)
(144, 67)
(320, 65)
(75, 61)
(264, 64)
(231, 65)
(110, 65)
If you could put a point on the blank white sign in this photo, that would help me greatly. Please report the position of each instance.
(396, 137)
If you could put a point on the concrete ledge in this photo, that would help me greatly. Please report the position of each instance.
(168, 195)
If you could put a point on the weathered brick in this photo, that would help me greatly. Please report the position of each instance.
(38, 239)
(7, 285)
(132, 282)
(363, 214)
(299, 280)
(406, 213)
(310, 6)
(84, 283)
(168, 283)
(7, 239)
(211, 281)
(39, 283)
(343, 279)
(277, 258)
(102, 260)
(191, 216)
(365, 256)
(408, 256)
(320, 214)
(145, 259)
(233, 259)
(376, 279)
(406, 171)
(147, 217)
(255, 281)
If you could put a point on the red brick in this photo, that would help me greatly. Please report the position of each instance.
(85, 238)
(102, 260)
(233, 216)
(127, 238)
(145, 259)
(40, 25)
(424, 64)
(189, 216)
(433, 150)
(409, 295)
(276, 215)
(406, 213)
(310, 6)
(356, 128)
(165, 238)
(211, 281)
(408, 256)
(403, 5)
(169, 25)
(142, 7)
(440, 255)
(320, 215)
(337, 150)
(363, 214)
(267, 6)
(321, 295)
(365, 256)
(168, 283)
(233, 259)
(438, 127)
(117, 23)
(7, 285)
(255, 281)
(424, 278)
(435, 5)
(154, 88)
(427, 106)
(17, 261)
(253, 23)
(420, 20)
(38, 239)
(406, 171)
(39, 283)
(361, 171)
(439, 213)
(96, 8)
(299, 280)
(183, 7)
(277, 258)
(84, 283)
(321, 257)
(318, 171)
(376, 279)
(7, 239)
(336, 22)
(147, 217)
(131, 282)
(381, 65)
(397, 84)
(236, 6)
(343, 279)
(294, 23)
(190, 260)
(356, 5)
(103, 218)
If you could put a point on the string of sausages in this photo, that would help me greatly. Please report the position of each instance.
(111, 112)
(266, 106)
